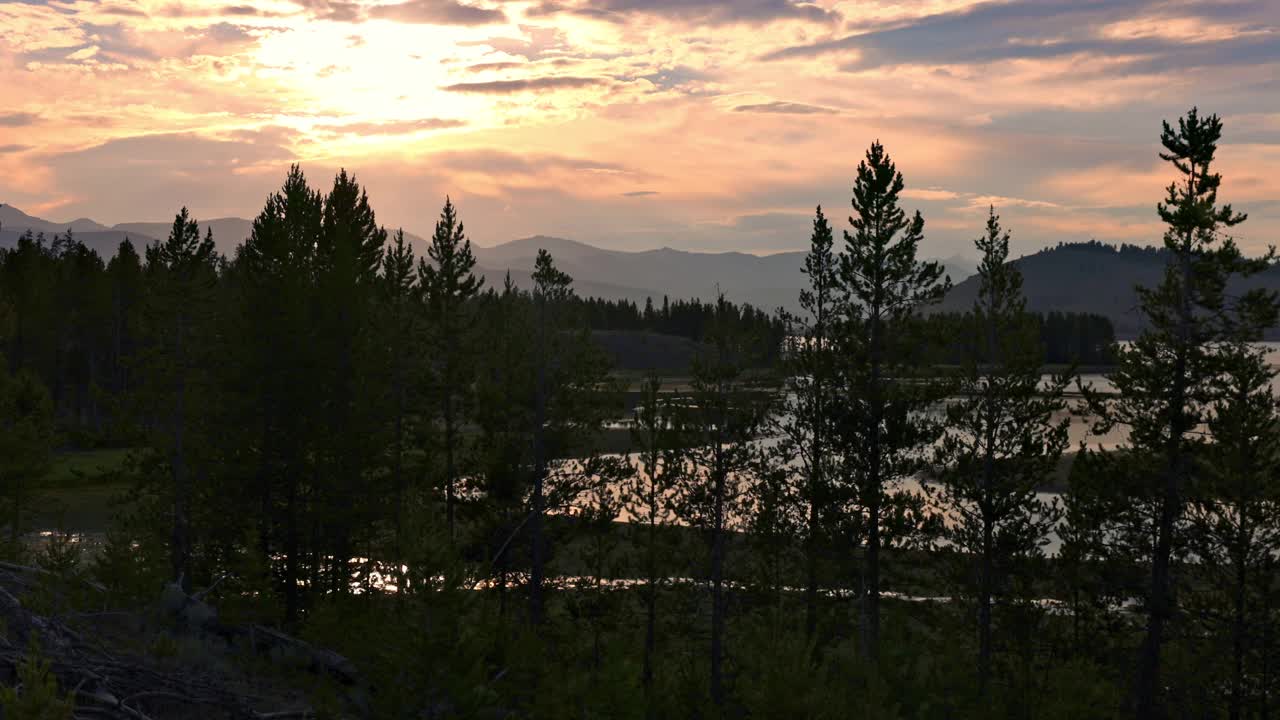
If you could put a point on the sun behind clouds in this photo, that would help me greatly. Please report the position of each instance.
(579, 118)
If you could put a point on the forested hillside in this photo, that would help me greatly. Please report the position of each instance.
(1098, 279)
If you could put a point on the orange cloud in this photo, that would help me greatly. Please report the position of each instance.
(556, 116)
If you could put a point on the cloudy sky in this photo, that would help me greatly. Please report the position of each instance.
(633, 124)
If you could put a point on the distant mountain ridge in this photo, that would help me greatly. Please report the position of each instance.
(768, 282)
(1093, 277)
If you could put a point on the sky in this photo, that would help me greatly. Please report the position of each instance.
(708, 125)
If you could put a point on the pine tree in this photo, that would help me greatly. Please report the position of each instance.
(449, 286)
(348, 255)
(27, 435)
(504, 414)
(804, 420)
(277, 371)
(648, 497)
(29, 285)
(179, 309)
(400, 298)
(552, 290)
(1234, 514)
(572, 395)
(880, 430)
(723, 416)
(1002, 440)
(125, 278)
(1162, 380)
(82, 302)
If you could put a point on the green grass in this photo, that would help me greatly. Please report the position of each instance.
(85, 509)
(86, 467)
(79, 491)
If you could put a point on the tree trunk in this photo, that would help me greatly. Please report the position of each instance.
(398, 473)
(539, 475)
(871, 581)
(720, 473)
(1239, 625)
(984, 613)
(811, 575)
(717, 586)
(988, 509)
(872, 487)
(449, 471)
(1149, 704)
(292, 611)
(816, 466)
(1264, 672)
(450, 429)
(180, 541)
(651, 602)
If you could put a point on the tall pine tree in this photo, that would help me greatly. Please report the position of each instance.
(721, 419)
(648, 496)
(1005, 435)
(182, 278)
(449, 286)
(399, 325)
(552, 290)
(881, 430)
(348, 255)
(804, 421)
(1163, 379)
(278, 374)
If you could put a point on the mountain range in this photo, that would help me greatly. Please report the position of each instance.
(768, 282)
(1089, 277)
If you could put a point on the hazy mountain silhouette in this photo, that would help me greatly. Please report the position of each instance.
(768, 282)
(104, 240)
(228, 232)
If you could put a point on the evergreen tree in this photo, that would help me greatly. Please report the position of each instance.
(804, 419)
(1163, 379)
(348, 256)
(551, 292)
(552, 289)
(648, 496)
(29, 287)
(26, 447)
(400, 298)
(1002, 440)
(723, 415)
(277, 372)
(504, 414)
(572, 395)
(124, 273)
(880, 429)
(81, 321)
(1234, 525)
(178, 316)
(449, 285)
(1094, 569)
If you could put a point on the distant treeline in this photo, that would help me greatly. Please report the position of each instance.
(1124, 249)
(690, 319)
(75, 321)
(1065, 337)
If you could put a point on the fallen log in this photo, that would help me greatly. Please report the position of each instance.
(103, 684)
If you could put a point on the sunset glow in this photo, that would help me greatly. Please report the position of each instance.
(701, 124)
